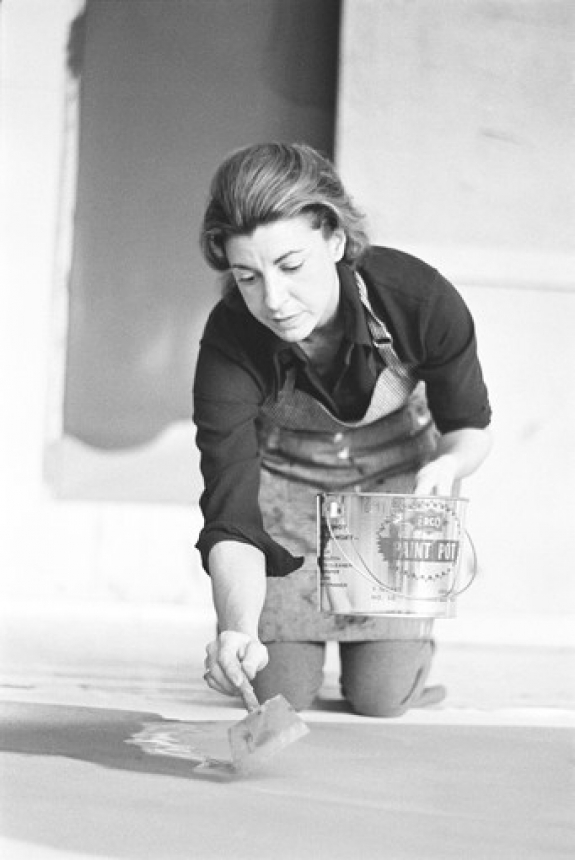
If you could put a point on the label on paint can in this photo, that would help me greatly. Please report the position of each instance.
(389, 554)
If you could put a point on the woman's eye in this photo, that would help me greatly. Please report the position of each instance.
(245, 280)
(293, 267)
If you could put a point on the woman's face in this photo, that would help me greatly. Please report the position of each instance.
(286, 273)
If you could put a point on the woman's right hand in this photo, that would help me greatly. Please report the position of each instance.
(232, 657)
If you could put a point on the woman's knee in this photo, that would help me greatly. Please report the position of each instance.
(294, 670)
(375, 703)
(385, 679)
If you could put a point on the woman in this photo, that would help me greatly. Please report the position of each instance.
(328, 364)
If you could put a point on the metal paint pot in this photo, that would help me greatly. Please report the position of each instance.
(391, 554)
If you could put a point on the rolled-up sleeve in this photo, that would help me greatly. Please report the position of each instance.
(456, 391)
(227, 398)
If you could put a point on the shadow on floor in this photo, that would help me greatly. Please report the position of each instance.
(106, 737)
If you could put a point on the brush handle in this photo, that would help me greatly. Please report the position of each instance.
(249, 697)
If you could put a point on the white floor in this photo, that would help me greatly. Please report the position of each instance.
(148, 661)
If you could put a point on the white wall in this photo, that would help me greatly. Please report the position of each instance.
(456, 135)
(53, 551)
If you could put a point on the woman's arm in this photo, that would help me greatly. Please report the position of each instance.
(238, 578)
(458, 455)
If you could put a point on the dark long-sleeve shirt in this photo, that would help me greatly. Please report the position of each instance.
(242, 364)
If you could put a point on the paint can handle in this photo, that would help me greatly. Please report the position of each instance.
(370, 576)
(455, 592)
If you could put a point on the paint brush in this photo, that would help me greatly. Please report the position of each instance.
(266, 730)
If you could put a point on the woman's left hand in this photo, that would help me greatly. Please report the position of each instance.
(458, 454)
(437, 477)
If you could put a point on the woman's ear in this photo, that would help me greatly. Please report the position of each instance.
(338, 240)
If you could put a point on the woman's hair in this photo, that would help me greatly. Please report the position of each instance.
(266, 182)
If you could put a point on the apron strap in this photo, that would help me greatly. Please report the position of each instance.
(377, 329)
(382, 339)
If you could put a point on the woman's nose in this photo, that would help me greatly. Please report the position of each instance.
(274, 292)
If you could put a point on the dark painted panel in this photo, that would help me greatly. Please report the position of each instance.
(168, 87)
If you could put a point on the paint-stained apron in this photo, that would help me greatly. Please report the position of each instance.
(306, 450)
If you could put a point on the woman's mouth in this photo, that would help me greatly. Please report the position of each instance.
(286, 322)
